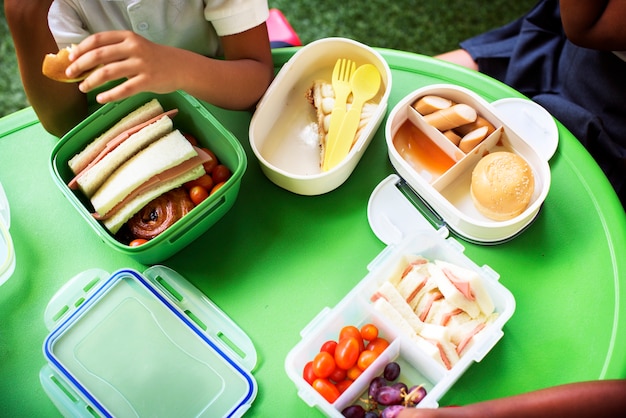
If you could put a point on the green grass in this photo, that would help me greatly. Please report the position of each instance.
(423, 26)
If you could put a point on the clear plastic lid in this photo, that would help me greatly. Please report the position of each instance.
(7, 253)
(146, 345)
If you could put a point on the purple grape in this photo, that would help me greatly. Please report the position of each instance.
(371, 414)
(415, 395)
(354, 411)
(375, 385)
(392, 371)
(401, 386)
(391, 411)
(388, 395)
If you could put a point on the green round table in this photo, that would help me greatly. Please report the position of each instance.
(277, 259)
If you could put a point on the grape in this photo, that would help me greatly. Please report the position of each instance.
(392, 371)
(371, 414)
(391, 411)
(388, 395)
(415, 395)
(375, 385)
(354, 411)
(401, 386)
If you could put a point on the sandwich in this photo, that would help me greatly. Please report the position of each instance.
(139, 159)
(440, 306)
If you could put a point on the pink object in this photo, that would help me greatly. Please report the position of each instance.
(280, 31)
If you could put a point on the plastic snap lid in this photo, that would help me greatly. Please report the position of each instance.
(146, 345)
(393, 217)
(7, 254)
(531, 122)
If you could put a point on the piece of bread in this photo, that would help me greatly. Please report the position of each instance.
(502, 185)
(142, 114)
(167, 152)
(92, 178)
(54, 66)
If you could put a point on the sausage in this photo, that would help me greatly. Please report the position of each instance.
(429, 104)
(451, 117)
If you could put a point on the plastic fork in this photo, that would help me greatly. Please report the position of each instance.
(344, 68)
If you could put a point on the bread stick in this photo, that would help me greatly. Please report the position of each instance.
(452, 117)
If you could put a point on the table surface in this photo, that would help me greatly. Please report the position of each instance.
(277, 259)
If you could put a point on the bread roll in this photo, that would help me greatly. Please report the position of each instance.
(502, 185)
(54, 66)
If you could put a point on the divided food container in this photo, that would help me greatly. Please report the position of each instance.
(443, 190)
(192, 118)
(358, 309)
(284, 130)
(133, 345)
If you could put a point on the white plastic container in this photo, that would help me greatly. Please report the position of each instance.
(523, 127)
(7, 252)
(151, 344)
(283, 129)
(407, 234)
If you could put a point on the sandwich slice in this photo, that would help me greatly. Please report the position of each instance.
(166, 164)
(142, 114)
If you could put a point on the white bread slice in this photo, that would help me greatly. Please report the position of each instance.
(143, 113)
(414, 283)
(440, 336)
(391, 294)
(167, 152)
(457, 273)
(451, 293)
(389, 312)
(115, 222)
(94, 177)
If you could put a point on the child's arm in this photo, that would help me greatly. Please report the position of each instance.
(236, 82)
(58, 106)
(595, 24)
(602, 398)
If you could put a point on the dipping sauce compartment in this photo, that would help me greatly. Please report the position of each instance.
(440, 172)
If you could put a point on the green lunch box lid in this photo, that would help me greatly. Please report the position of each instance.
(151, 344)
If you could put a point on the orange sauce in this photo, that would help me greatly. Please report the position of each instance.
(420, 151)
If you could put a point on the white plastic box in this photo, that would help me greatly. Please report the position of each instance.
(522, 127)
(357, 309)
(151, 344)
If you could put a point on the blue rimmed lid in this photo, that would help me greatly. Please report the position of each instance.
(150, 344)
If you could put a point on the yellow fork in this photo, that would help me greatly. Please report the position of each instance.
(344, 68)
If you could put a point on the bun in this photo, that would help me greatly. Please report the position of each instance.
(502, 185)
(54, 66)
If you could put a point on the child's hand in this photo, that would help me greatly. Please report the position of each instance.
(124, 54)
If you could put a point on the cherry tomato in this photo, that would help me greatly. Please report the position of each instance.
(352, 331)
(347, 352)
(308, 374)
(192, 139)
(204, 181)
(337, 375)
(353, 373)
(220, 173)
(323, 364)
(329, 346)
(366, 358)
(137, 242)
(325, 388)
(216, 187)
(212, 163)
(377, 345)
(197, 194)
(369, 332)
(343, 385)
